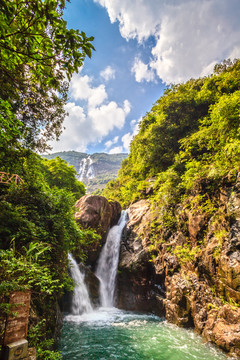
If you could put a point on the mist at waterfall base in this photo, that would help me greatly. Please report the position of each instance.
(110, 333)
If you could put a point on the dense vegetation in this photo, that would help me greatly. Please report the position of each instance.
(36, 233)
(38, 55)
(184, 158)
(190, 134)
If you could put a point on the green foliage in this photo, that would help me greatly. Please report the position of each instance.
(186, 254)
(188, 148)
(29, 270)
(59, 174)
(37, 230)
(188, 139)
(37, 54)
(37, 338)
(37, 50)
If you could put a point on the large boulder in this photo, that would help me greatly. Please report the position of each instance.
(96, 212)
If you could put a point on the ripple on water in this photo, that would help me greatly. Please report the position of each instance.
(114, 334)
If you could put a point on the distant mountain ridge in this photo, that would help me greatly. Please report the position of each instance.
(94, 170)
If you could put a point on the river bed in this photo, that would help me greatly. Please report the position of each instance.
(110, 333)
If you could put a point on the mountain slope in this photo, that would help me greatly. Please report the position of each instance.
(93, 170)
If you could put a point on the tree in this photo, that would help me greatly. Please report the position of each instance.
(58, 173)
(38, 55)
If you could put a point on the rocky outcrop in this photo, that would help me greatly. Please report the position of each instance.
(192, 276)
(98, 213)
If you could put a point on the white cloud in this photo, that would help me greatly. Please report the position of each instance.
(142, 71)
(106, 117)
(191, 35)
(90, 123)
(81, 89)
(126, 139)
(116, 150)
(108, 73)
(76, 135)
(110, 143)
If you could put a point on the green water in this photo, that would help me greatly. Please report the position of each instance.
(115, 334)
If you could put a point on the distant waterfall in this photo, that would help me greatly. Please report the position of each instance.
(108, 262)
(86, 169)
(81, 302)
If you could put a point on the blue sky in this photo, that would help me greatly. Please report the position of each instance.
(141, 46)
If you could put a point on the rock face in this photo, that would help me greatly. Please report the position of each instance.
(191, 276)
(98, 213)
(136, 283)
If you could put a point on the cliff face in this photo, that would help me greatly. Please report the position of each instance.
(191, 276)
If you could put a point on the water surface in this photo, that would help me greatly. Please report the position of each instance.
(115, 334)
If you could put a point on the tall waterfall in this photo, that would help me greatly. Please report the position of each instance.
(80, 302)
(86, 169)
(108, 262)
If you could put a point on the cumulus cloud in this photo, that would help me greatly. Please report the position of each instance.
(81, 89)
(190, 35)
(106, 117)
(127, 138)
(94, 120)
(142, 71)
(108, 73)
(76, 134)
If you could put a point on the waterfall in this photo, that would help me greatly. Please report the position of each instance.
(108, 262)
(90, 173)
(86, 169)
(81, 302)
(82, 168)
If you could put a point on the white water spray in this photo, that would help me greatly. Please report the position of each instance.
(81, 302)
(108, 262)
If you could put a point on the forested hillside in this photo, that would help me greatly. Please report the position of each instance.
(191, 135)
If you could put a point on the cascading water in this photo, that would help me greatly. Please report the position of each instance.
(86, 169)
(108, 262)
(81, 302)
(82, 168)
(90, 172)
